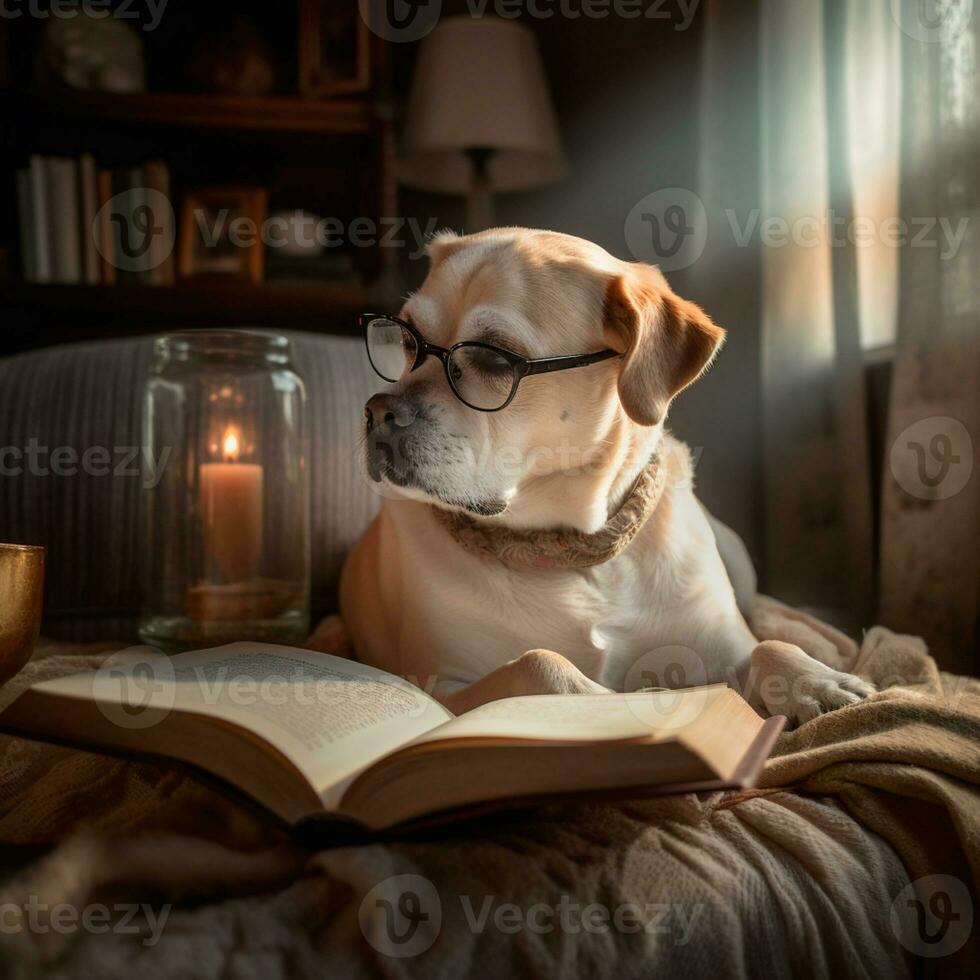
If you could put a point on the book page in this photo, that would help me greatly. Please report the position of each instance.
(582, 717)
(331, 717)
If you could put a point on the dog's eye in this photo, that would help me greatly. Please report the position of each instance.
(481, 377)
(487, 362)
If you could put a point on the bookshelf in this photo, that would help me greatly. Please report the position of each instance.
(42, 314)
(273, 114)
(323, 155)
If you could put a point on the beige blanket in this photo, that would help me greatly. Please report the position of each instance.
(866, 819)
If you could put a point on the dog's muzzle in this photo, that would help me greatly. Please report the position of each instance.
(391, 423)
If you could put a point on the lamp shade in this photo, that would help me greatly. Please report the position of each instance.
(479, 84)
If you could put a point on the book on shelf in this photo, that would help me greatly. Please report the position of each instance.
(157, 179)
(88, 195)
(106, 246)
(128, 235)
(38, 220)
(68, 234)
(63, 222)
(312, 737)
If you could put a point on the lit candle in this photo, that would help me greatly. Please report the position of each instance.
(231, 512)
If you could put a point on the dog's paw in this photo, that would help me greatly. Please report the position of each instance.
(801, 688)
(331, 636)
(812, 695)
(547, 672)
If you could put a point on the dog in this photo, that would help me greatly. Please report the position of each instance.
(461, 583)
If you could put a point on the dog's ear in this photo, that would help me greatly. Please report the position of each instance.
(666, 341)
(442, 245)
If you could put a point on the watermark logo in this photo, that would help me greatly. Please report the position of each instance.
(932, 459)
(932, 21)
(135, 689)
(141, 226)
(832, 230)
(668, 228)
(220, 228)
(654, 680)
(411, 20)
(39, 460)
(400, 20)
(401, 916)
(672, 923)
(933, 916)
(147, 14)
(128, 918)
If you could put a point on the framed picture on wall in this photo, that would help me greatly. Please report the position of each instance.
(334, 48)
(221, 233)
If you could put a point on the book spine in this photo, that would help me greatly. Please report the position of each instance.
(161, 251)
(138, 200)
(25, 214)
(107, 246)
(120, 186)
(88, 197)
(41, 237)
(63, 220)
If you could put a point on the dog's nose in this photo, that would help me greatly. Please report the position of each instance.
(399, 412)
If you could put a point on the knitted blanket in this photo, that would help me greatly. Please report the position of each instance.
(859, 852)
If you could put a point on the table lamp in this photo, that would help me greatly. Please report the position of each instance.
(479, 117)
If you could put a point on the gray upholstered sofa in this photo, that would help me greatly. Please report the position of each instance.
(86, 397)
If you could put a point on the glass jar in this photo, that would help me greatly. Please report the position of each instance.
(225, 516)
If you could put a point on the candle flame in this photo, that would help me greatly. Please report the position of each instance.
(230, 446)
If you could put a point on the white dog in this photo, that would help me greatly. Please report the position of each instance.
(566, 520)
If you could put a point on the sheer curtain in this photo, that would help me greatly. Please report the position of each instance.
(930, 553)
(814, 113)
(866, 235)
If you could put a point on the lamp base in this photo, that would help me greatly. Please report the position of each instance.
(479, 201)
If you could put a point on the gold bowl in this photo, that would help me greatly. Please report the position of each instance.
(21, 600)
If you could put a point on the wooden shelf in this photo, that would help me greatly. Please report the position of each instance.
(35, 315)
(335, 116)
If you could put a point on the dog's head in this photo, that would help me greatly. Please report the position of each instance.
(566, 434)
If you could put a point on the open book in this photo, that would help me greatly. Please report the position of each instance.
(308, 734)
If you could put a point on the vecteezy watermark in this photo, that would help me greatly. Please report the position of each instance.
(410, 465)
(146, 13)
(932, 459)
(680, 13)
(933, 21)
(64, 918)
(411, 20)
(668, 228)
(836, 231)
(305, 230)
(654, 680)
(402, 917)
(141, 229)
(99, 461)
(138, 688)
(400, 20)
(142, 235)
(135, 689)
(932, 916)
(667, 920)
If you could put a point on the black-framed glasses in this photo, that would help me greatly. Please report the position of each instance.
(482, 376)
